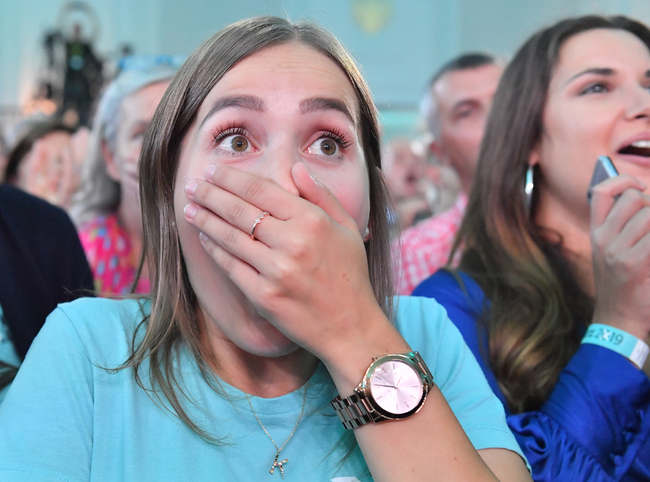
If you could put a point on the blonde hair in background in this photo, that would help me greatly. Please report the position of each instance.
(99, 193)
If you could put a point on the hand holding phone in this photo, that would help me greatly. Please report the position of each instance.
(604, 170)
(620, 242)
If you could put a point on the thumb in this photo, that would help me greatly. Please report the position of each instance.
(314, 191)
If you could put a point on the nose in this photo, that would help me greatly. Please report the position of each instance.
(276, 166)
(639, 104)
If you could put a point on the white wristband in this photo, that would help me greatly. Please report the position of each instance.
(619, 341)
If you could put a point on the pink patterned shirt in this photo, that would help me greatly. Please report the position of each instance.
(424, 248)
(110, 256)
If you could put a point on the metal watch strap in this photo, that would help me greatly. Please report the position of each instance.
(353, 411)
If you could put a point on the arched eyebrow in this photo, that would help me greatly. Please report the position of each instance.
(595, 71)
(600, 71)
(321, 103)
(249, 102)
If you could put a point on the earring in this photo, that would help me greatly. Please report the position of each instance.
(529, 186)
(366, 234)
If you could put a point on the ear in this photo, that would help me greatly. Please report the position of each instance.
(535, 155)
(437, 150)
(111, 164)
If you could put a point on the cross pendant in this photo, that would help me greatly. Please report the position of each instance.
(279, 465)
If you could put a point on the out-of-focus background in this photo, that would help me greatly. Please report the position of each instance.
(398, 43)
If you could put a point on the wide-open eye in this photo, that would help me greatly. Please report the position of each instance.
(236, 143)
(324, 146)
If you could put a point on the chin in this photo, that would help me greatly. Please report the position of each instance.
(269, 349)
(268, 343)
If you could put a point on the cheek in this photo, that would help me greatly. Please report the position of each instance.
(572, 144)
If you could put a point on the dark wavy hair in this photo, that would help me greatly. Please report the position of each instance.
(538, 307)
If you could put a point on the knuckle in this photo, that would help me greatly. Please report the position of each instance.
(298, 246)
(637, 200)
(316, 221)
(230, 239)
(254, 189)
(284, 274)
(268, 294)
(228, 264)
(204, 195)
(235, 211)
(610, 255)
(645, 212)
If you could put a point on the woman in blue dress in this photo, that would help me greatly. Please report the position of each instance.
(553, 291)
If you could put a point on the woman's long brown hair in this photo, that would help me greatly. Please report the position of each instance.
(173, 321)
(538, 307)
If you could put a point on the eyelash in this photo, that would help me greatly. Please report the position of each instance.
(340, 137)
(231, 130)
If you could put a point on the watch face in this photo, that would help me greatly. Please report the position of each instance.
(396, 387)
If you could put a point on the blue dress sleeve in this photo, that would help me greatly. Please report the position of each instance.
(596, 423)
(464, 306)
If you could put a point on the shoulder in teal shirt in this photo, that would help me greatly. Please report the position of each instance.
(66, 418)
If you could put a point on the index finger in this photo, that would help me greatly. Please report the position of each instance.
(256, 190)
(604, 196)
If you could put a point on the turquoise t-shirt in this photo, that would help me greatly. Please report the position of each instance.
(7, 351)
(66, 418)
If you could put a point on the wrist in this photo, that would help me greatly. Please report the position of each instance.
(347, 362)
(394, 387)
(620, 341)
(634, 324)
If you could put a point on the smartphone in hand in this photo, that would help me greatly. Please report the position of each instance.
(604, 170)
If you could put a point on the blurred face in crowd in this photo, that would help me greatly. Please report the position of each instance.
(403, 165)
(463, 99)
(136, 112)
(598, 104)
(38, 163)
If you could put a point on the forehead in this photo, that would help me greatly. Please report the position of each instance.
(467, 84)
(281, 71)
(611, 48)
(56, 138)
(144, 100)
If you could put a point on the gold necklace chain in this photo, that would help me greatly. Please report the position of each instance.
(276, 463)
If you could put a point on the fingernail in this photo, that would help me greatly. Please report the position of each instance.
(203, 237)
(190, 210)
(190, 187)
(316, 180)
(209, 171)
